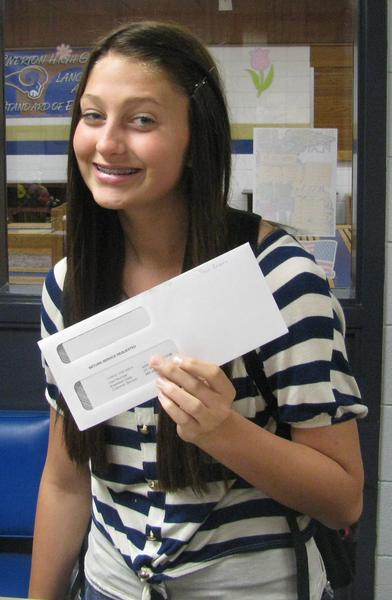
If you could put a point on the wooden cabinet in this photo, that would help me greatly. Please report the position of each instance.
(333, 92)
(31, 23)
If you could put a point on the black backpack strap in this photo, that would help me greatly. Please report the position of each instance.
(338, 555)
(301, 557)
(255, 371)
(242, 227)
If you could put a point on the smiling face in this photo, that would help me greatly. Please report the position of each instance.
(132, 138)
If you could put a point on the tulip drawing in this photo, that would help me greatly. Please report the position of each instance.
(260, 61)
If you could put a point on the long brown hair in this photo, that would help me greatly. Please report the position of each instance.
(95, 246)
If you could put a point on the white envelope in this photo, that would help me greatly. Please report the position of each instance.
(216, 312)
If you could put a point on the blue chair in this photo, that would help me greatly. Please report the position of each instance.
(23, 446)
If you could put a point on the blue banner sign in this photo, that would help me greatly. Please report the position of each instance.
(42, 82)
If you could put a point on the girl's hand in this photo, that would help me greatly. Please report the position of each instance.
(197, 395)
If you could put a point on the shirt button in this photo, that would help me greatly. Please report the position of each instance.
(144, 429)
(144, 573)
(151, 536)
(152, 484)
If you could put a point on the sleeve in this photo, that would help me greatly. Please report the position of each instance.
(52, 321)
(307, 368)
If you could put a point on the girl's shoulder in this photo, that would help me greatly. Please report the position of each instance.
(282, 249)
(56, 276)
(52, 292)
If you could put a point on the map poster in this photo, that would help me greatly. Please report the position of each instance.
(295, 178)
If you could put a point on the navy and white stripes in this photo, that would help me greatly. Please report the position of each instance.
(163, 535)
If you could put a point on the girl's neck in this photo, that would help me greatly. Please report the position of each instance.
(154, 246)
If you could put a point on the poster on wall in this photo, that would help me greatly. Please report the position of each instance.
(40, 88)
(42, 82)
(266, 86)
(295, 178)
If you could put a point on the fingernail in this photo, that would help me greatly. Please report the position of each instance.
(155, 361)
(177, 359)
(161, 382)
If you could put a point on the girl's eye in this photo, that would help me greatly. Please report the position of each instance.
(144, 122)
(91, 116)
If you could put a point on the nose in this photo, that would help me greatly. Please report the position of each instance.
(111, 140)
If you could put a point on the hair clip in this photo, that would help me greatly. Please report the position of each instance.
(202, 82)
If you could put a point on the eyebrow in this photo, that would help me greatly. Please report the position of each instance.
(132, 100)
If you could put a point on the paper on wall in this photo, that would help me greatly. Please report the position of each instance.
(295, 178)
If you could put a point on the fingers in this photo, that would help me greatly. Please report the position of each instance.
(187, 401)
(187, 411)
(188, 428)
(195, 376)
(196, 395)
(180, 416)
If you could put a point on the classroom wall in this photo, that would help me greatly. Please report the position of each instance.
(383, 589)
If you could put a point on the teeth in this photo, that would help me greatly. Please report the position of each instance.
(111, 171)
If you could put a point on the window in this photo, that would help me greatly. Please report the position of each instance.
(289, 72)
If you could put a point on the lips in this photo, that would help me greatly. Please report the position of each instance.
(116, 171)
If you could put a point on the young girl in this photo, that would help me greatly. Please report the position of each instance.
(185, 496)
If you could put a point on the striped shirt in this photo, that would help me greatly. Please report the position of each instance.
(162, 535)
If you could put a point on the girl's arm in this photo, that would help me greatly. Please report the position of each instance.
(319, 472)
(63, 513)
